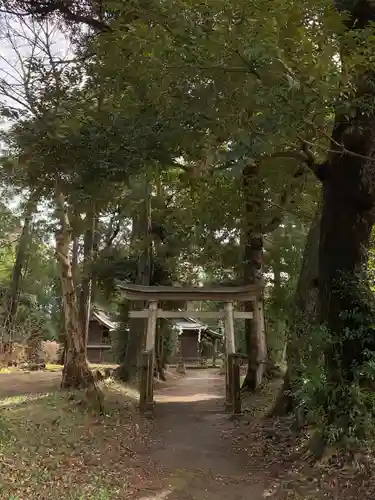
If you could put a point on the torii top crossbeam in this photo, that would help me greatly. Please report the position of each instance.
(188, 293)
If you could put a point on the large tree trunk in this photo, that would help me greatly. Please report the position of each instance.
(303, 320)
(76, 372)
(13, 294)
(348, 215)
(252, 273)
(346, 301)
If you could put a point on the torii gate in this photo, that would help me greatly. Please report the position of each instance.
(225, 294)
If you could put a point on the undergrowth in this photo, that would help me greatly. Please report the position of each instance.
(337, 400)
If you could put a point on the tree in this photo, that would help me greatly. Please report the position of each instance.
(347, 221)
(207, 94)
(45, 106)
(19, 265)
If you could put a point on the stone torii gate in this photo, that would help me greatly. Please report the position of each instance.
(226, 294)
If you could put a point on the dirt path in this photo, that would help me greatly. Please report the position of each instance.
(18, 384)
(197, 460)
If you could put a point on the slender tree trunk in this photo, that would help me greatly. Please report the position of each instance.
(95, 252)
(14, 291)
(275, 343)
(75, 269)
(86, 281)
(303, 320)
(128, 369)
(76, 372)
(276, 277)
(75, 273)
(159, 367)
(252, 272)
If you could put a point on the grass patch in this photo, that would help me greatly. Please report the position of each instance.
(19, 399)
(54, 446)
(8, 369)
(50, 367)
(53, 367)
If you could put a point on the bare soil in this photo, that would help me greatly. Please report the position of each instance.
(18, 383)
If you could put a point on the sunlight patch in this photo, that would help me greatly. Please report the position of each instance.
(22, 398)
(122, 389)
(181, 399)
(163, 495)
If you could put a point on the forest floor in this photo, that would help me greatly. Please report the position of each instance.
(52, 445)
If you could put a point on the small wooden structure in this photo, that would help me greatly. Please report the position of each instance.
(99, 337)
(196, 342)
(226, 294)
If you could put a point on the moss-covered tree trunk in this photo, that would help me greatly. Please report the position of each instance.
(76, 372)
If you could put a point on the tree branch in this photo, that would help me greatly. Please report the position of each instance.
(319, 169)
(285, 199)
(113, 234)
(44, 8)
